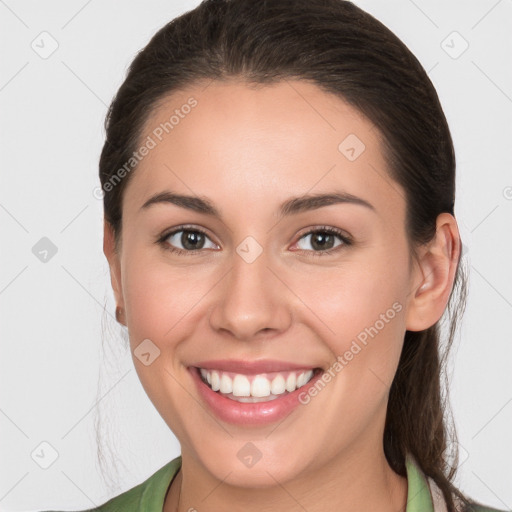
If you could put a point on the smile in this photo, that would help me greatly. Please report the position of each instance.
(255, 388)
(252, 393)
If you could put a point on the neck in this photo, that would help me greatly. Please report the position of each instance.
(362, 480)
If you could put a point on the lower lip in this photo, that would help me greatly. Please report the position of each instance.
(242, 413)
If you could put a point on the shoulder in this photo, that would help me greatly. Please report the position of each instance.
(474, 506)
(148, 495)
(478, 507)
(433, 499)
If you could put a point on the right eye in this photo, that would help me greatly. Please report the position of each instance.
(192, 240)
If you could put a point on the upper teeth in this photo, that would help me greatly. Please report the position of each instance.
(256, 385)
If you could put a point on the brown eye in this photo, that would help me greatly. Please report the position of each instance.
(192, 240)
(186, 240)
(323, 241)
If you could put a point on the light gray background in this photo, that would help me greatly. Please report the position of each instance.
(52, 313)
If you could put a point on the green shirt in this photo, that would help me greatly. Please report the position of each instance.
(149, 495)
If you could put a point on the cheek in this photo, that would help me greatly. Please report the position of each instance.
(159, 301)
(359, 308)
(355, 295)
(159, 297)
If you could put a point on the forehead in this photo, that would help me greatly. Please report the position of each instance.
(260, 142)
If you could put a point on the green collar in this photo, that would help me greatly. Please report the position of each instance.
(419, 498)
(153, 496)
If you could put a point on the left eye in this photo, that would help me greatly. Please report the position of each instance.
(324, 240)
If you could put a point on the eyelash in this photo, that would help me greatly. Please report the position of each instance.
(347, 241)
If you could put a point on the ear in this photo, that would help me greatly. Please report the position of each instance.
(114, 262)
(433, 277)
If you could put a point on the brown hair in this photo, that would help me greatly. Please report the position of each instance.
(347, 52)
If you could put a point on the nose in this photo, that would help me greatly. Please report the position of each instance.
(251, 302)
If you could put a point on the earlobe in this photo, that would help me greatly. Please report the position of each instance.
(433, 277)
(112, 256)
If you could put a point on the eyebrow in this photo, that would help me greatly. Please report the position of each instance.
(289, 207)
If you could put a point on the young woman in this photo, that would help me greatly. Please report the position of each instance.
(279, 185)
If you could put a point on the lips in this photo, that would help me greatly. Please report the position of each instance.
(252, 392)
(251, 367)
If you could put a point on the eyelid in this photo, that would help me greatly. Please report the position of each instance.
(330, 229)
(184, 227)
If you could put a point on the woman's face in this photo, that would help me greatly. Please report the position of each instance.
(265, 283)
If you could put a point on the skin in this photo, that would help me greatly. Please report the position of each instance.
(247, 150)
